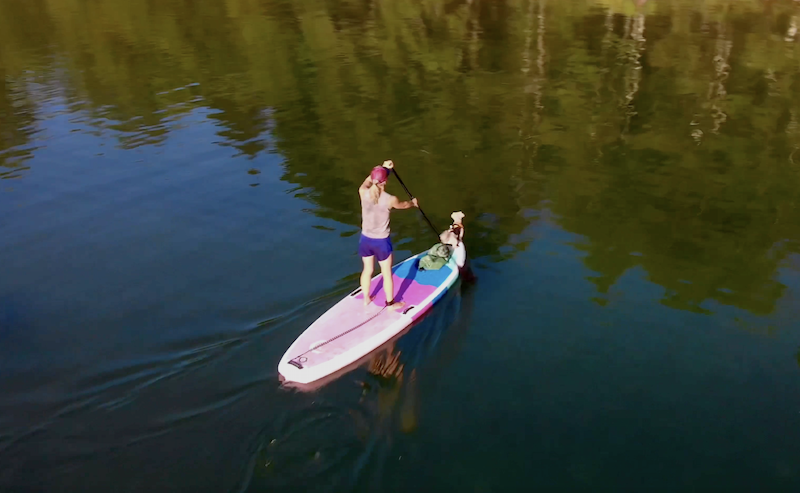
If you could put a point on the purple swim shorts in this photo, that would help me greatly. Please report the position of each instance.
(381, 248)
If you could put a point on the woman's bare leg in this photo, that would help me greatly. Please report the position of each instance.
(388, 281)
(366, 277)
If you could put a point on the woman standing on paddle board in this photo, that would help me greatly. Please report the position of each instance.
(376, 205)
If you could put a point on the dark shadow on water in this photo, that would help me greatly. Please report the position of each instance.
(13, 317)
(8, 316)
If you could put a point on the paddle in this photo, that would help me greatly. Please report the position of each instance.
(435, 231)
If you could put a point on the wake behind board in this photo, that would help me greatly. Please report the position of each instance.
(349, 330)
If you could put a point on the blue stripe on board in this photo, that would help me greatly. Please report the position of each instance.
(425, 277)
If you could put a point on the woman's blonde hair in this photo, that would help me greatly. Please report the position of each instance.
(375, 192)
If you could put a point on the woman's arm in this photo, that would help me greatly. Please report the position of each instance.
(366, 185)
(406, 204)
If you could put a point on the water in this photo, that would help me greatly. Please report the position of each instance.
(178, 202)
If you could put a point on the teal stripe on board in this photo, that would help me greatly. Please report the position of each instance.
(426, 278)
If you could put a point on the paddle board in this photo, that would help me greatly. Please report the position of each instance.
(349, 330)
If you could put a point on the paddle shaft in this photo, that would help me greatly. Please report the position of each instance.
(435, 231)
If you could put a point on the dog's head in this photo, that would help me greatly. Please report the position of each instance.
(455, 233)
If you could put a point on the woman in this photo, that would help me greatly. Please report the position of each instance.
(376, 205)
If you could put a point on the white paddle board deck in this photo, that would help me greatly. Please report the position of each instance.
(349, 330)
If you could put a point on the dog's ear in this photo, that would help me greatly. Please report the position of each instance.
(458, 231)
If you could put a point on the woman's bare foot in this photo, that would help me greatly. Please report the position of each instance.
(368, 300)
(395, 305)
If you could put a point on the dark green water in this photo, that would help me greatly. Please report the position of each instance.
(178, 203)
